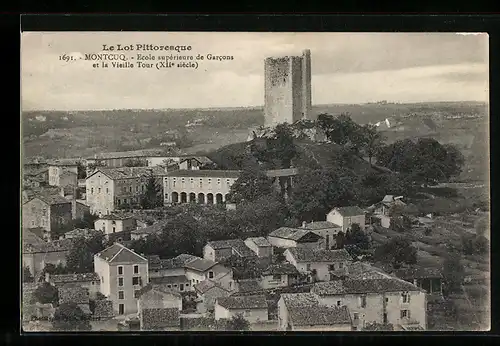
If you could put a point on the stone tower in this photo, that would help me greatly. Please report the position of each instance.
(287, 89)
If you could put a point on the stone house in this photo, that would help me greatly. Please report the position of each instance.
(386, 300)
(279, 275)
(123, 273)
(89, 281)
(37, 255)
(208, 291)
(429, 279)
(286, 237)
(189, 270)
(144, 232)
(304, 312)
(176, 283)
(319, 265)
(345, 217)
(160, 319)
(116, 226)
(222, 249)
(47, 212)
(158, 296)
(260, 246)
(252, 308)
(60, 173)
(108, 189)
(325, 229)
(248, 287)
(75, 294)
(103, 310)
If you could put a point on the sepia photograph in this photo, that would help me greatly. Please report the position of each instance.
(254, 181)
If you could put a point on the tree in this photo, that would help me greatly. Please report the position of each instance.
(453, 273)
(53, 270)
(46, 294)
(27, 277)
(279, 150)
(69, 317)
(135, 163)
(397, 251)
(340, 240)
(80, 258)
(238, 323)
(151, 197)
(82, 171)
(252, 184)
(358, 237)
(425, 161)
(316, 191)
(374, 141)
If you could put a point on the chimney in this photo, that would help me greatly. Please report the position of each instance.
(47, 277)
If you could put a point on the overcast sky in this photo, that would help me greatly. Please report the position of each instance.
(346, 68)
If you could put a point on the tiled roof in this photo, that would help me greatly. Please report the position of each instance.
(237, 245)
(260, 241)
(116, 216)
(316, 225)
(73, 294)
(129, 154)
(282, 172)
(316, 255)
(53, 246)
(199, 264)
(185, 257)
(81, 232)
(352, 286)
(66, 172)
(30, 237)
(51, 199)
(158, 318)
(350, 211)
(362, 270)
(163, 288)
(290, 233)
(300, 299)
(207, 285)
(280, 269)
(64, 162)
(103, 309)
(68, 278)
(247, 286)
(130, 172)
(165, 280)
(319, 315)
(117, 253)
(203, 173)
(418, 273)
(243, 302)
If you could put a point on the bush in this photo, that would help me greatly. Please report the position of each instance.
(428, 231)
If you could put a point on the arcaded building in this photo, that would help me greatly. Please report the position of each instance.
(198, 186)
(287, 89)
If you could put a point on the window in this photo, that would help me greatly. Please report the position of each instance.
(405, 314)
(119, 201)
(356, 316)
(102, 279)
(120, 282)
(406, 297)
(92, 283)
(136, 294)
(130, 189)
(136, 269)
(137, 189)
(331, 267)
(142, 187)
(124, 189)
(181, 287)
(187, 285)
(44, 212)
(135, 280)
(107, 190)
(104, 229)
(120, 270)
(121, 295)
(169, 286)
(210, 275)
(99, 190)
(173, 183)
(363, 301)
(218, 181)
(175, 285)
(201, 182)
(114, 229)
(387, 300)
(341, 265)
(339, 302)
(276, 277)
(308, 267)
(92, 190)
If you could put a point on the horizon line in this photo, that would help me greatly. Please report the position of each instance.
(247, 107)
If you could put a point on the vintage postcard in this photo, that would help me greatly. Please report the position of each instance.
(190, 181)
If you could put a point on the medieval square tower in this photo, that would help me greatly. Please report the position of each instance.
(287, 89)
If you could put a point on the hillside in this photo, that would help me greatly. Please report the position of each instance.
(85, 133)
